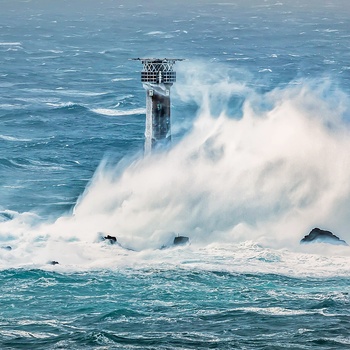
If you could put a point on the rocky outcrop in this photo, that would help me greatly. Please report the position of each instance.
(53, 262)
(111, 239)
(181, 240)
(322, 236)
(178, 241)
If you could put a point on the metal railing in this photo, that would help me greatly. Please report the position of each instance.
(157, 70)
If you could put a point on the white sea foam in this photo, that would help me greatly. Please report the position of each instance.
(277, 311)
(9, 106)
(122, 79)
(160, 34)
(115, 112)
(264, 70)
(52, 51)
(81, 93)
(155, 32)
(16, 43)
(13, 139)
(61, 104)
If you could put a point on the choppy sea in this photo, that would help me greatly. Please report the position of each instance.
(260, 155)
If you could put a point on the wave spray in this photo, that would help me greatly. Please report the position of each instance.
(266, 172)
(268, 175)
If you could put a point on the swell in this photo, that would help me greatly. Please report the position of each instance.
(76, 108)
(168, 308)
(29, 164)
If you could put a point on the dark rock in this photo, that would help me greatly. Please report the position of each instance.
(53, 262)
(7, 247)
(178, 240)
(321, 236)
(111, 239)
(181, 240)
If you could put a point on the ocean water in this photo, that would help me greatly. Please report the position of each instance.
(260, 156)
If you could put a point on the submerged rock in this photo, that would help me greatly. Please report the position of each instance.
(7, 247)
(181, 240)
(322, 236)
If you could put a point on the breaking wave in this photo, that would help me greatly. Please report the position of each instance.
(263, 175)
(110, 112)
(115, 112)
(13, 139)
(268, 176)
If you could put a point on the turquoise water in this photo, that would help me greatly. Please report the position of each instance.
(184, 309)
(260, 156)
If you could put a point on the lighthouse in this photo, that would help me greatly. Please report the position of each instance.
(157, 77)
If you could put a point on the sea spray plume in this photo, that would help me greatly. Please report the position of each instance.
(215, 88)
(266, 177)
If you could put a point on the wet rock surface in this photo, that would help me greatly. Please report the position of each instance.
(317, 235)
(181, 240)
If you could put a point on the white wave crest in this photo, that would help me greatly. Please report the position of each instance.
(13, 139)
(17, 43)
(122, 79)
(61, 104)
(118, 112)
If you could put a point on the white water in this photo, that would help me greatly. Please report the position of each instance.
(245, 190)
(118, 112)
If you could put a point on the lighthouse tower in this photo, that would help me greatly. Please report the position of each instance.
(157, 77)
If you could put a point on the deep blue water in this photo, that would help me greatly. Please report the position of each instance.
(260, 155)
